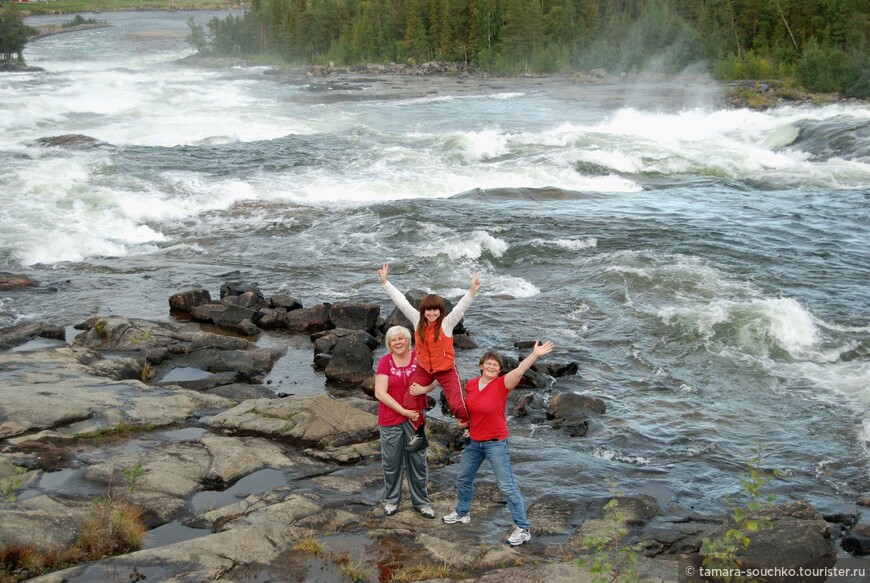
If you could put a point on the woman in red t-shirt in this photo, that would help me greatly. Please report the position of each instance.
(486, 399)
(392, 382)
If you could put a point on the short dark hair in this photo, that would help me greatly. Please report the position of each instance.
(492, 355)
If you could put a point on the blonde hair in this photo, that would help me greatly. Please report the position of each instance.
(396, 331)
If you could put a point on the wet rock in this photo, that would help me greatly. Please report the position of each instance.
(67, 393)
(637, 510)
(249, 299)
(12, 281)
(797, 536)
(317, 421)
(567, 405)
(351, 362)
(119, 334)
(43, 523)
(521, 408)
(236, 288)
(187, 300)
(354, 316)
(241, 391)
(285, 302)
(17, 335)
(558, 370)
(464, 342)
(325, 342)
(270, 319)
(70, 141)
(308, 320)
(321, 361)
(857, 544)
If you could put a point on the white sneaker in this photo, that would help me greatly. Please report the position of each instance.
(453, 518)
(426, 512)
(519, 536)
(390, 509)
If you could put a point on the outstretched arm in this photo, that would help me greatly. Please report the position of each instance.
(512, 379)
(452, 319)
(398, 297)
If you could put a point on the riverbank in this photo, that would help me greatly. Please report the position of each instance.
(738, 94)
(79, 6)
(45, 30)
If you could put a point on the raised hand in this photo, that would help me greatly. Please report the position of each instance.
(382, 272)
(542, 349)
(475, 283)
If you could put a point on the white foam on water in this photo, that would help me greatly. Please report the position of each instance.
(570, 244)
(604, 453)
(472, 245)
(509, 286)
(737, 321)
(737, 144)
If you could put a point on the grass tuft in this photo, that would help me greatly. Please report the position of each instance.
(310, 546)
(423, 573)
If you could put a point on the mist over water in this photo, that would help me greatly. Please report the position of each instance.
(707, 268)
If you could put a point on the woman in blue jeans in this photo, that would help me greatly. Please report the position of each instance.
(486, 399)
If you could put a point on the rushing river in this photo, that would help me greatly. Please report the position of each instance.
(706, 267)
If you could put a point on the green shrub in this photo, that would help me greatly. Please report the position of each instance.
(821, 68)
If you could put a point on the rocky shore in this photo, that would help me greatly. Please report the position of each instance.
(239, 482)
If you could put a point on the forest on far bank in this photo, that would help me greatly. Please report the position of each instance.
(820, 45)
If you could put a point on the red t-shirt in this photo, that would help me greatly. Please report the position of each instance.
(397, 385)
(486, 409)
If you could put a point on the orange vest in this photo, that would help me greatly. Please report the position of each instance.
(432, 355)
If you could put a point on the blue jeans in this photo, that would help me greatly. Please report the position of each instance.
(499, 457)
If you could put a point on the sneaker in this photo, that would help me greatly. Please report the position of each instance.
(519, 536)
(426, 512)
(453, 518)
(390, 509)
(417, 442)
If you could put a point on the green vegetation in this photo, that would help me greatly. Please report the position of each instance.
(13, 37)
(354, 570)
(721, 552)
(9, 486)
(122, 430)
(79, 21)
(824, 44)
(113, 527)
(611, 561)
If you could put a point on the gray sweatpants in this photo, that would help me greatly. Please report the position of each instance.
(396, 461)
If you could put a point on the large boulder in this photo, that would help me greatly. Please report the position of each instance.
(318, 421)
(568, 405)
(354, 316)
(65, 397)
(797, 536)
(187, 300)
(119, 334)
(12, 281)
(308, 320)
(351, 362)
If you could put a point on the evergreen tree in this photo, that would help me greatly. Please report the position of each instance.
(13, 37)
